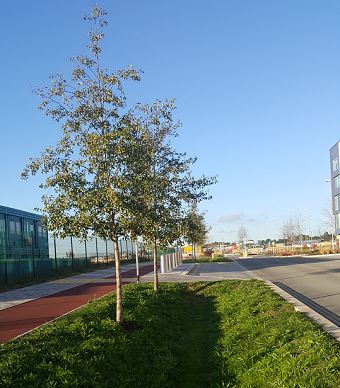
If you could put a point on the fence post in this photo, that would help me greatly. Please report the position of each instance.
(6, 276)
(85, 254)
(120, 243)
(5, 255)
(72, 254)
(55, 256)
(33, 256)
(137, 264)
(107, 257)
(97, 249)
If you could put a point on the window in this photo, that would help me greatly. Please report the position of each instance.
(18, 227)
(31, 230)
(12, 227)
(335, 164)
(336, 203)
(26, 232)
(337, 221)
(39, 231)
(337, 182)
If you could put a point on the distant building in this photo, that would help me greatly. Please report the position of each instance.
(335, 184)
(22, 241)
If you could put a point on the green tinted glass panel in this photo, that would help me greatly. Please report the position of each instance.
(2, 230)
(12, 226)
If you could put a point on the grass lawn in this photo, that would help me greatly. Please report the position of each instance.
(215, 334)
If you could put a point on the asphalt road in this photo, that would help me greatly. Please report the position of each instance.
(316, 278)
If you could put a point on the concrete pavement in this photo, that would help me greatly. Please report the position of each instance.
(191, 272)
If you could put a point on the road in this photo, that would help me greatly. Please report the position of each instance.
(316, 278)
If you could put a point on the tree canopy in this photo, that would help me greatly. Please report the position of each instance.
(195, 229)
(166, 184)
(113, 172)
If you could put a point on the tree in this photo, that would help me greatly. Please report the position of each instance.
(96, 163)
(208, 240)
(288, 230)
(103, 176)
(166, 184)
(299, 221)
(242, 234)
(328, 218)
(195, 229)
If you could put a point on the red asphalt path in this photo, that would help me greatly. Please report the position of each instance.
(20, 319)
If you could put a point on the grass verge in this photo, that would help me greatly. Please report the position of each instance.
(215, 334)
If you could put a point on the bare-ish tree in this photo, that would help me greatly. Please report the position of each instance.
(242, 235)
(299, 220)
(287, 231)
(328, 220)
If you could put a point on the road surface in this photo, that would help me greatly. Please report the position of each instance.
(317, 278)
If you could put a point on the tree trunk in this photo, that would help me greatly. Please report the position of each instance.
(155, 277)
(119, 304)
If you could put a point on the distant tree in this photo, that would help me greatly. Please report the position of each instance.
(326, 236)
(288, 230)
(242, 234)
(328, 221)
(319, 231)
(299, 221)
(195, 229)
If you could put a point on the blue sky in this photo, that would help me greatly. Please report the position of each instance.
(257, 87)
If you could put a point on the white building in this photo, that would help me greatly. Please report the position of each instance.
(335, 184)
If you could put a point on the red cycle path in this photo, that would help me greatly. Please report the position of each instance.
(20, 319)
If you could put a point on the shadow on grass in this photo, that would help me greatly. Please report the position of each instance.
(198, 367)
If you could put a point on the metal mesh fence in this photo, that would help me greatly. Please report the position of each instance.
(18, 259)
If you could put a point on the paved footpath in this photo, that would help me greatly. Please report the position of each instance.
(25, 309)
(191, 272)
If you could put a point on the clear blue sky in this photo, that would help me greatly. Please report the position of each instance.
(257, 86)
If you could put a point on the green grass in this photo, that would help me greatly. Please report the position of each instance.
(215, 334)
(201, 334)
(216, 259)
